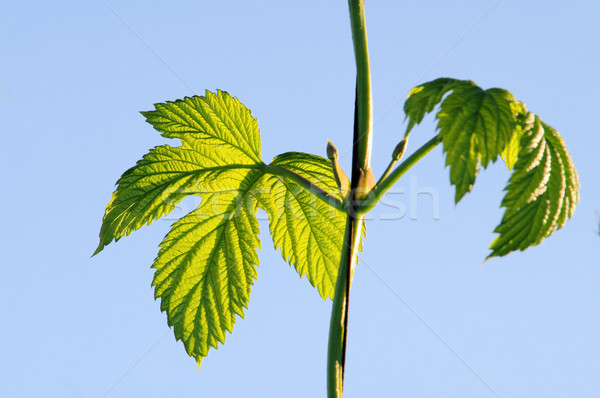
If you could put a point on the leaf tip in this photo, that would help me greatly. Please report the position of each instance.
(459, 194)
(146, 114)
(98, 249)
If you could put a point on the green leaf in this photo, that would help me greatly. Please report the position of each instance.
(308, 231)
(511, 151)
(422, 99)
(159, 182)
(206, 266)
(220, 144)
(542, 191)
(213, 120)
(207, 262)
(476, 125)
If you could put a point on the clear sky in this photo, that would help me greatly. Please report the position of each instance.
(426, 318)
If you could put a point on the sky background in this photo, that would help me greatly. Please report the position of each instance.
(426, 318)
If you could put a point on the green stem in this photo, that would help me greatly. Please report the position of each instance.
(362, 141)
(377, 193)
(306, 184)
(338, 328)
(361, 159)
(386, 172)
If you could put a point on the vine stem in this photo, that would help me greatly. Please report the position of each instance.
(361, 159)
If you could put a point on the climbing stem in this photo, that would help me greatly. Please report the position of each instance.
(364, 104)
(359, 184)
(338, 328)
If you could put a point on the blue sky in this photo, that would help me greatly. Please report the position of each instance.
(426, 318)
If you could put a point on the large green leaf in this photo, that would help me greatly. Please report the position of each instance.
(308, 231)
(207, 262)
(542, 191)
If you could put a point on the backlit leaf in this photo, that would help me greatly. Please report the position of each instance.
(206, 266)
(476, 126)
(422, 99)
(542, 192)
(207, 262)
(308, 231)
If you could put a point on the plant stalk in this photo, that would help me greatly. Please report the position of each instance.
(361, 159)
(364, 104)
(338, 328)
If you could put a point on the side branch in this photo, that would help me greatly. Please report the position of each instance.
(377, 193)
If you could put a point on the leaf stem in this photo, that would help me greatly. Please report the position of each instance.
(377, 193)
(396, 156)
(308, 185)
(386, 172)
(361, 170)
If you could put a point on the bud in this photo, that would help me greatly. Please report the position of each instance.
(399, 150)
(332, 153)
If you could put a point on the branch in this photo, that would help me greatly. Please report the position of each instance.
(377, 193)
